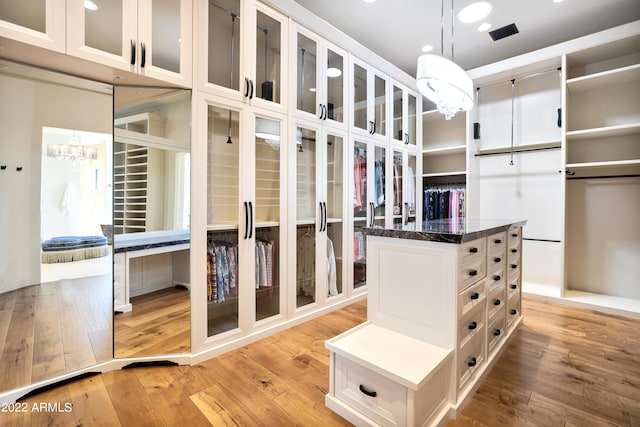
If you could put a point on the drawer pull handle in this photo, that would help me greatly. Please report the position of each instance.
(473, 272)
(496, 302)
(513, 311)
(475, 295)
(473, 250)
(368, 392)
(497, 241)
(514, 234)
(514, 286)
(472, 362)
(472, 326)
(513, 251)
(497, 333)
(496, 278)
(497, 259)
(514, 265)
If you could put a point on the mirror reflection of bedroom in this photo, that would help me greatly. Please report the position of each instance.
(151, 212)
(55, 262)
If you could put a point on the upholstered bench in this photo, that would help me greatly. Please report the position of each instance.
(73, 248)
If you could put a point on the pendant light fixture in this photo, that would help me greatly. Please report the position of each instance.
(443, 81)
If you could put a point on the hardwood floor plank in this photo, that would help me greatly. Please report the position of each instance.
(48, 353)
(92, 405)
(130, 400)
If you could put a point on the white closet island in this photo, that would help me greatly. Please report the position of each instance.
(444, 300)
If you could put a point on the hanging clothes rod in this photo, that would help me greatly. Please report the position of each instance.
(554, 70)
(521, 150)
(604, 176)
(232, 14)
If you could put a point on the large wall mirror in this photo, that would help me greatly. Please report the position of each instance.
(151, 221)
(56, 306)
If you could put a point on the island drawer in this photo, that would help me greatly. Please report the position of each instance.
(470, 358)
(496, 302)
(470, 298)
(497, 241)
(470, 251)
(495, 332)
(471, 272)
(471, 324)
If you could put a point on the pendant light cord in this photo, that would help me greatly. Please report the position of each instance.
(513, 85)
(442, 28)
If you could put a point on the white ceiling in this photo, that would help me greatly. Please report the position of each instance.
(397, 29)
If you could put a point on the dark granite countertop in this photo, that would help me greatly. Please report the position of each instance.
(149, 240)
(445, 230)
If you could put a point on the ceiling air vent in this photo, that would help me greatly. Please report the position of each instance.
(502, 32)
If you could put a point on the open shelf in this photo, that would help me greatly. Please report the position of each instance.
(623, 75)
(608, 168)
(604, 132)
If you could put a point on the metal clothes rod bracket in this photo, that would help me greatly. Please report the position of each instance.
(523, 150)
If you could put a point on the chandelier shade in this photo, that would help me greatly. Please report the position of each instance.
(444, 83)
(72, 151)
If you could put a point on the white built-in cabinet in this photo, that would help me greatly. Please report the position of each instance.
(370, 101)
(243, 52)
(146, 37)
(40, 25)
(558, 145)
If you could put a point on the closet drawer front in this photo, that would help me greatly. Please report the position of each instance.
(496, 332)
(513, 266)
(471, 325)
(470, 298)
(497, 241)
(470, 358)
(513, 310)
(496, 302)
(471, 272)
(472, 250)
(496, 260)
(514, 235)
(513, 285)
(370, 393)
(496, 279)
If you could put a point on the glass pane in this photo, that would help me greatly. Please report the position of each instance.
(397, 186)
(306, 57)
(26, 13)
(379, 187)
(268, 58)
(360, 204)
(411, 190)
(335, 191)
(359, 97)
(380, 114)
(335, 86)
(397, 114)
(305, 217)
(267, 200)
(224, 43)
(103, 27)
(165, 27)
(413, 116)
(222, 217)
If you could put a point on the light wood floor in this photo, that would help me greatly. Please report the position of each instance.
(53, 328)
(564, 367)
(158, 324)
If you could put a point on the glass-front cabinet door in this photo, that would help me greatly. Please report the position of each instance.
(319, 238)
(370, 100)
(404, 187)
(404, 115)
(244, 54)
(147, 37)
(244, 232)
(37, 22)
(319, 90)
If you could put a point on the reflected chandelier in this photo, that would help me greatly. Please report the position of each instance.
(443, 81)
(73, 151)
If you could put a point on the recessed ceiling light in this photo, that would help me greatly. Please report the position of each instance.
(88, 4)
(369, 1)
(427, 48)
(484, 27)
(558, 1)
(475, 11)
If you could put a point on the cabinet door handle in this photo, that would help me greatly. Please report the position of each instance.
(251, 91)
(325, 216)
(143, 52)
(513, 286)
(246, 87)
(472, 362)
(473, 272)
(250, 220)
(472, 326)
(365, 390)
(406, 139)
(513, 312)
(473, 250)
(497, 302)
(246, 220)
(406, 213)
(497, 332)
(133, 52)
(474, 295)
(373, 212)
